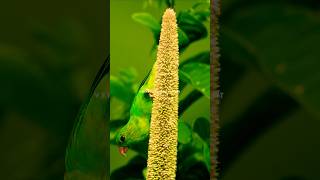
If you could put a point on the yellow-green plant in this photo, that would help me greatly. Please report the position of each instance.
(162, 152)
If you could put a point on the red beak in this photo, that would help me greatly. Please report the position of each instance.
(123, 150)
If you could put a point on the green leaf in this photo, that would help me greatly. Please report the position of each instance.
(183, 38)
(128, 75)
(122, 85)
(149, 21)
(206, 155)
(202, 127)
(120, 109)
(201, 10)
(193, 27)
(186, 102)
(198, 75)
(184, 133)
(205, 4)
(118, 90)
(190, 23)
(203, 57)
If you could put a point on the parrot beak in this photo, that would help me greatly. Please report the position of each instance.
(123, 150)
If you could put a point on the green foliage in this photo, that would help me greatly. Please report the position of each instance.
(198, 75)
(185, 133)
(121, 86)
(149, 21)
(202, 127)
(190, 23)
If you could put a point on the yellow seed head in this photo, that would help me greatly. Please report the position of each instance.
(162, 153)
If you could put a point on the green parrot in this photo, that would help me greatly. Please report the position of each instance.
(87, 154)
(136, 132)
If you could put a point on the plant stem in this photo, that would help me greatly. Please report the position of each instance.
(170, 3)
(214, 87)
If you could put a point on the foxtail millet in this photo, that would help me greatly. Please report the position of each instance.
(163, 142)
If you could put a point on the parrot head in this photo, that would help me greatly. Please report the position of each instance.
(136, 132)
(122, 141)
(122, 148)
(132, 135)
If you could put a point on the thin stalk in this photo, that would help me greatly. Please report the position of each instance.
(214, 88)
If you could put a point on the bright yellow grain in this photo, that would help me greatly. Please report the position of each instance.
(162, 153)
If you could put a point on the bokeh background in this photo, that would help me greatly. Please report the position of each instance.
(271, 84)
(51, 50)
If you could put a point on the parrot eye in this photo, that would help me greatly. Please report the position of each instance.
(122, 138)
(146, 95)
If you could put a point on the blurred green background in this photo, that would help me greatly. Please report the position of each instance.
(271, 84)
(51, 50)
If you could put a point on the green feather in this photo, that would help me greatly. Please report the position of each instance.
(87, 153)
(135, 133)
